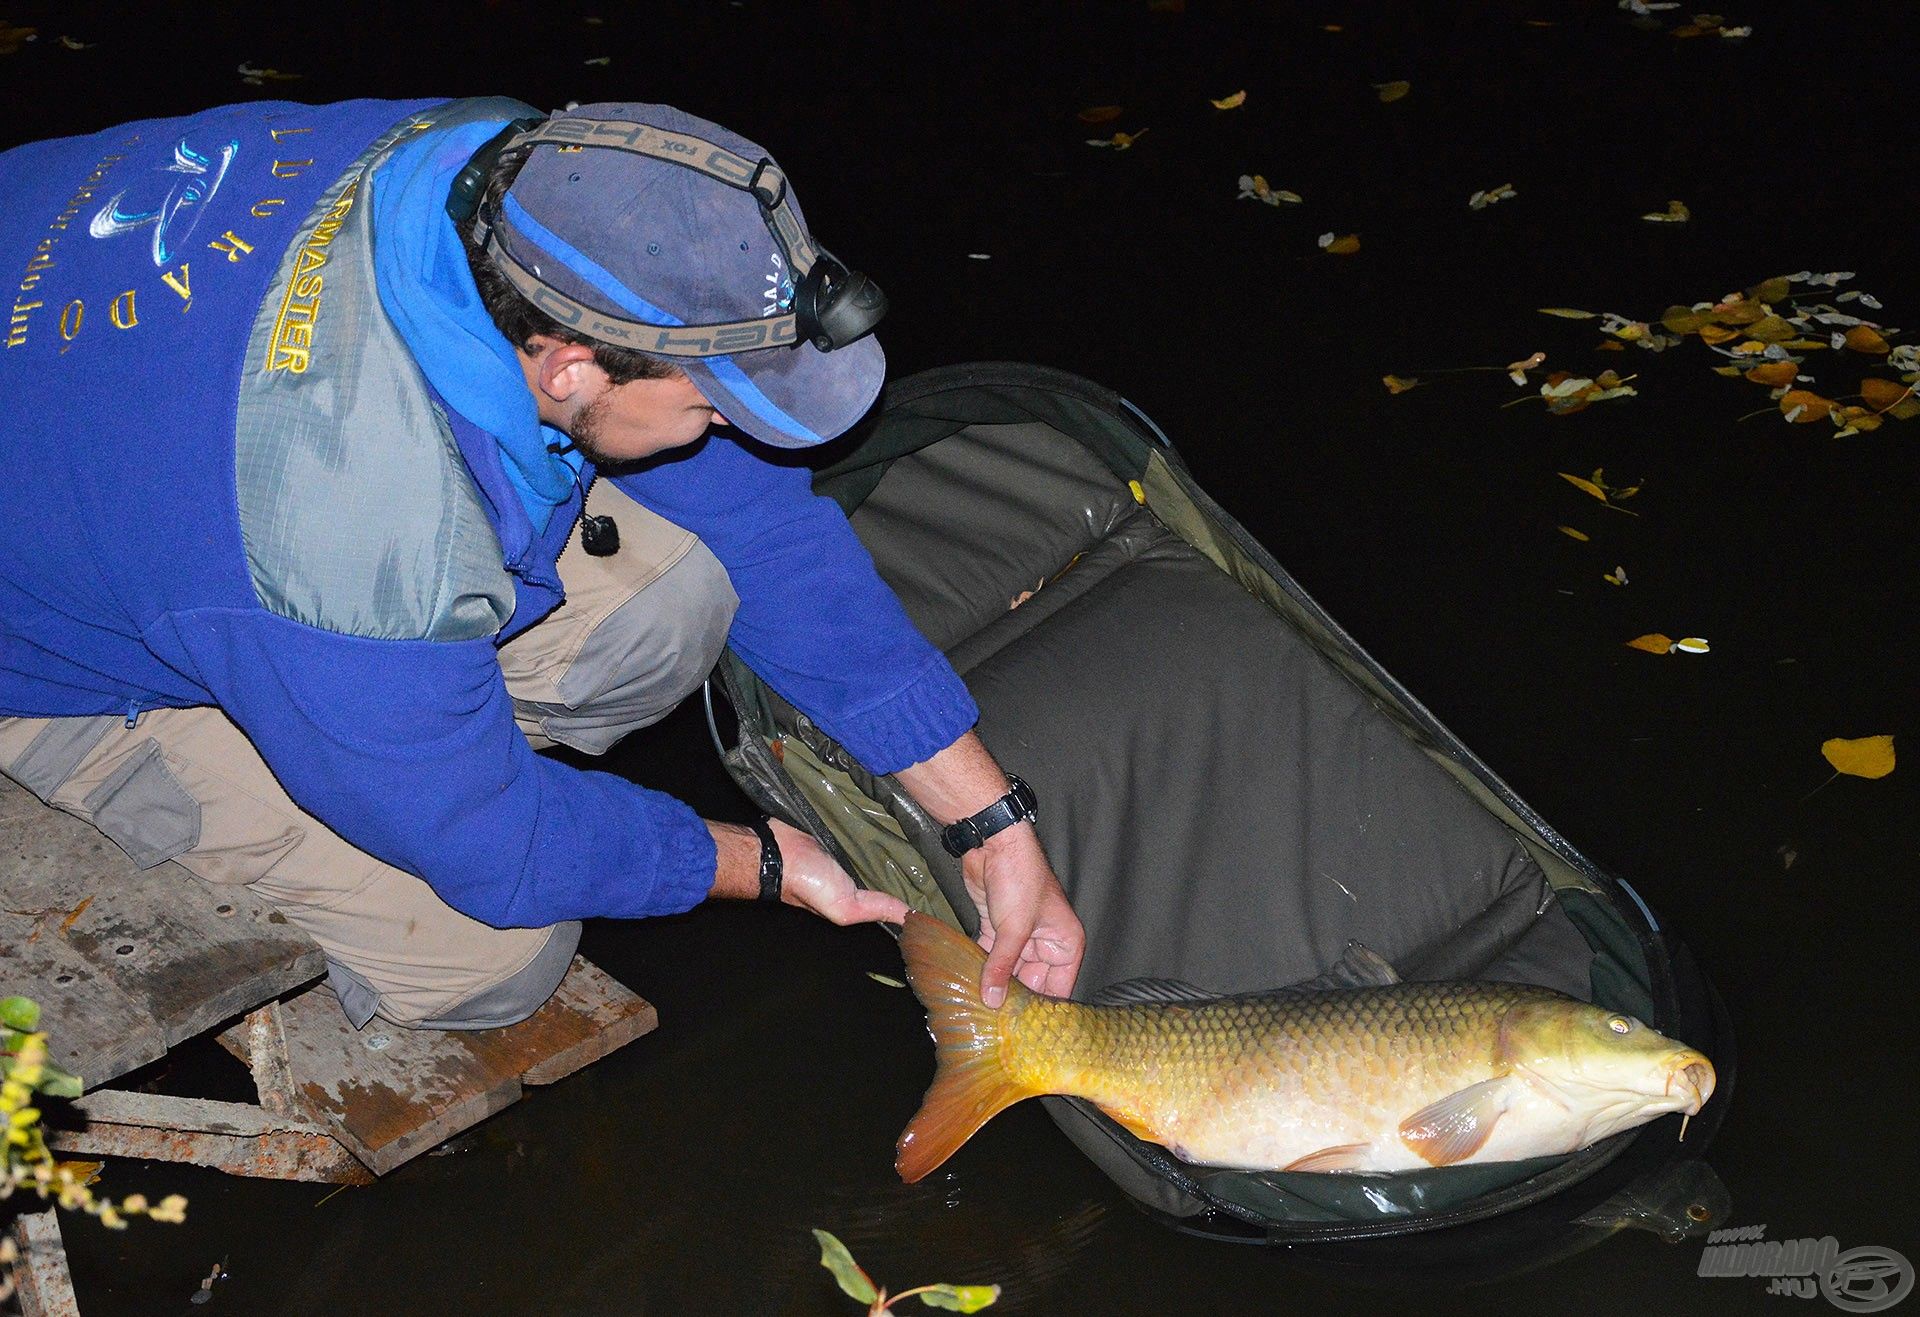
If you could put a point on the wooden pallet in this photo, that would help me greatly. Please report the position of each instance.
(128, 963)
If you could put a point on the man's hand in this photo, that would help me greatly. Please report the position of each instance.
(814, 881)
(1026, 923)
(811, 878)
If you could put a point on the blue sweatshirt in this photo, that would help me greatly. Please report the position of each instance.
(227, 483)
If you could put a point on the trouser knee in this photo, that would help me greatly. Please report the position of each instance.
(587, 679)
(508, 1000)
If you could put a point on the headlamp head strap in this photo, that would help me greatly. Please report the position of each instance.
(833, 306)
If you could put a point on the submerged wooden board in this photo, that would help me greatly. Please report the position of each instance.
(390, 1094)
(127, 962)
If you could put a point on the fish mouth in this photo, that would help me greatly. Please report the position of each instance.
(1690, 1077)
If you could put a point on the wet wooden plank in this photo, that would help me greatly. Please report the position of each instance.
(46, 1286)
(127, 962)
(590, 1015)
(387, 1093)
(390, 1094)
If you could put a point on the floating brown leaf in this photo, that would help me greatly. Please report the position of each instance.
(1232, 102)
(1654, 643)
(1675, 213)
(1803, 407)
(1712, 333)
(1580, 535)
(1398, 384)
(1774, 374)
(1346, 245)
(1392, 91)
(1568, 313)
(1685, 320)
(1777, 289)
(1867, 339)
(1099, 114)
(1771, 329)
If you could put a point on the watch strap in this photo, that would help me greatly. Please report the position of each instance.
(1019, 805)
(770, 867)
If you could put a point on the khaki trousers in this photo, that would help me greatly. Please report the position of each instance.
(639, 631)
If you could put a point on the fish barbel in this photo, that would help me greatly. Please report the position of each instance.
(1392, 1077)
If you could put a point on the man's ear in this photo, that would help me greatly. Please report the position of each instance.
(562, 370)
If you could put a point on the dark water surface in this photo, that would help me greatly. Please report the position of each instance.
(682, 1174)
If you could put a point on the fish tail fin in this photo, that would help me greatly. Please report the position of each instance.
(970, 1084)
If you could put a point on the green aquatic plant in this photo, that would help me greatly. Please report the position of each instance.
(26, 1074)
(856, 1284)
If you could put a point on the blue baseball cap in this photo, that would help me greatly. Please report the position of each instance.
(648, 240)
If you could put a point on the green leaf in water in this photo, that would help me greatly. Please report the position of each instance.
(960, 1298)
(854, 1283)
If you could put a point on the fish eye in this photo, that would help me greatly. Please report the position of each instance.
(1619, 1024)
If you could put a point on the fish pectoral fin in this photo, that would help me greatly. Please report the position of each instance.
(1339, 1157)
(1454, 1128)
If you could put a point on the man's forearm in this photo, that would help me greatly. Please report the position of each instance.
(961, 780)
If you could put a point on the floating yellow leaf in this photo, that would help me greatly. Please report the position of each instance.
(1099, 114)
(1398, 384)
(1568, 313)
(1804, 345)
(1119, 141)
(885, 980)
(1232, 102)
(1777, 289)
(1862, 756)
(1581, 482)
(1771, 329)
(1711, 333)
(1774, 374)
(1618, 576)
(1345, 245)
(1331, 27)
(1864, 338)
(1675, 213)
(1692, 645)
(1685, 320)
(1729, 371)
(1803, 407)
(1853, 420)
(1580, 535)
(1653, 644)
(1739, 312)
(1392, 91)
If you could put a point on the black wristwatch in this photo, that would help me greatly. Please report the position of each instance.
(1019, 805)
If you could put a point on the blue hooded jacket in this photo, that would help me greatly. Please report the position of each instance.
(198, 380)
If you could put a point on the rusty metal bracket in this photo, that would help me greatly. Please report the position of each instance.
(227, 1136)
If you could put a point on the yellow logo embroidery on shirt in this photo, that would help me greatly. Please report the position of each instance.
(291, 347)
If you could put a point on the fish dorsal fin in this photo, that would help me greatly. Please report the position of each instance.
(1454, 1128)
(1359, 966)
(1151, 992)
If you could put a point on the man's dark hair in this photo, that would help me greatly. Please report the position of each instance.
(519, 319)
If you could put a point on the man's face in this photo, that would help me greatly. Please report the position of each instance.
(627, 422)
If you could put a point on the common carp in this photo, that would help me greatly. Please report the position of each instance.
(1391, 1076)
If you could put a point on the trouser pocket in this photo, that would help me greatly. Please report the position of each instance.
(143, 808)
